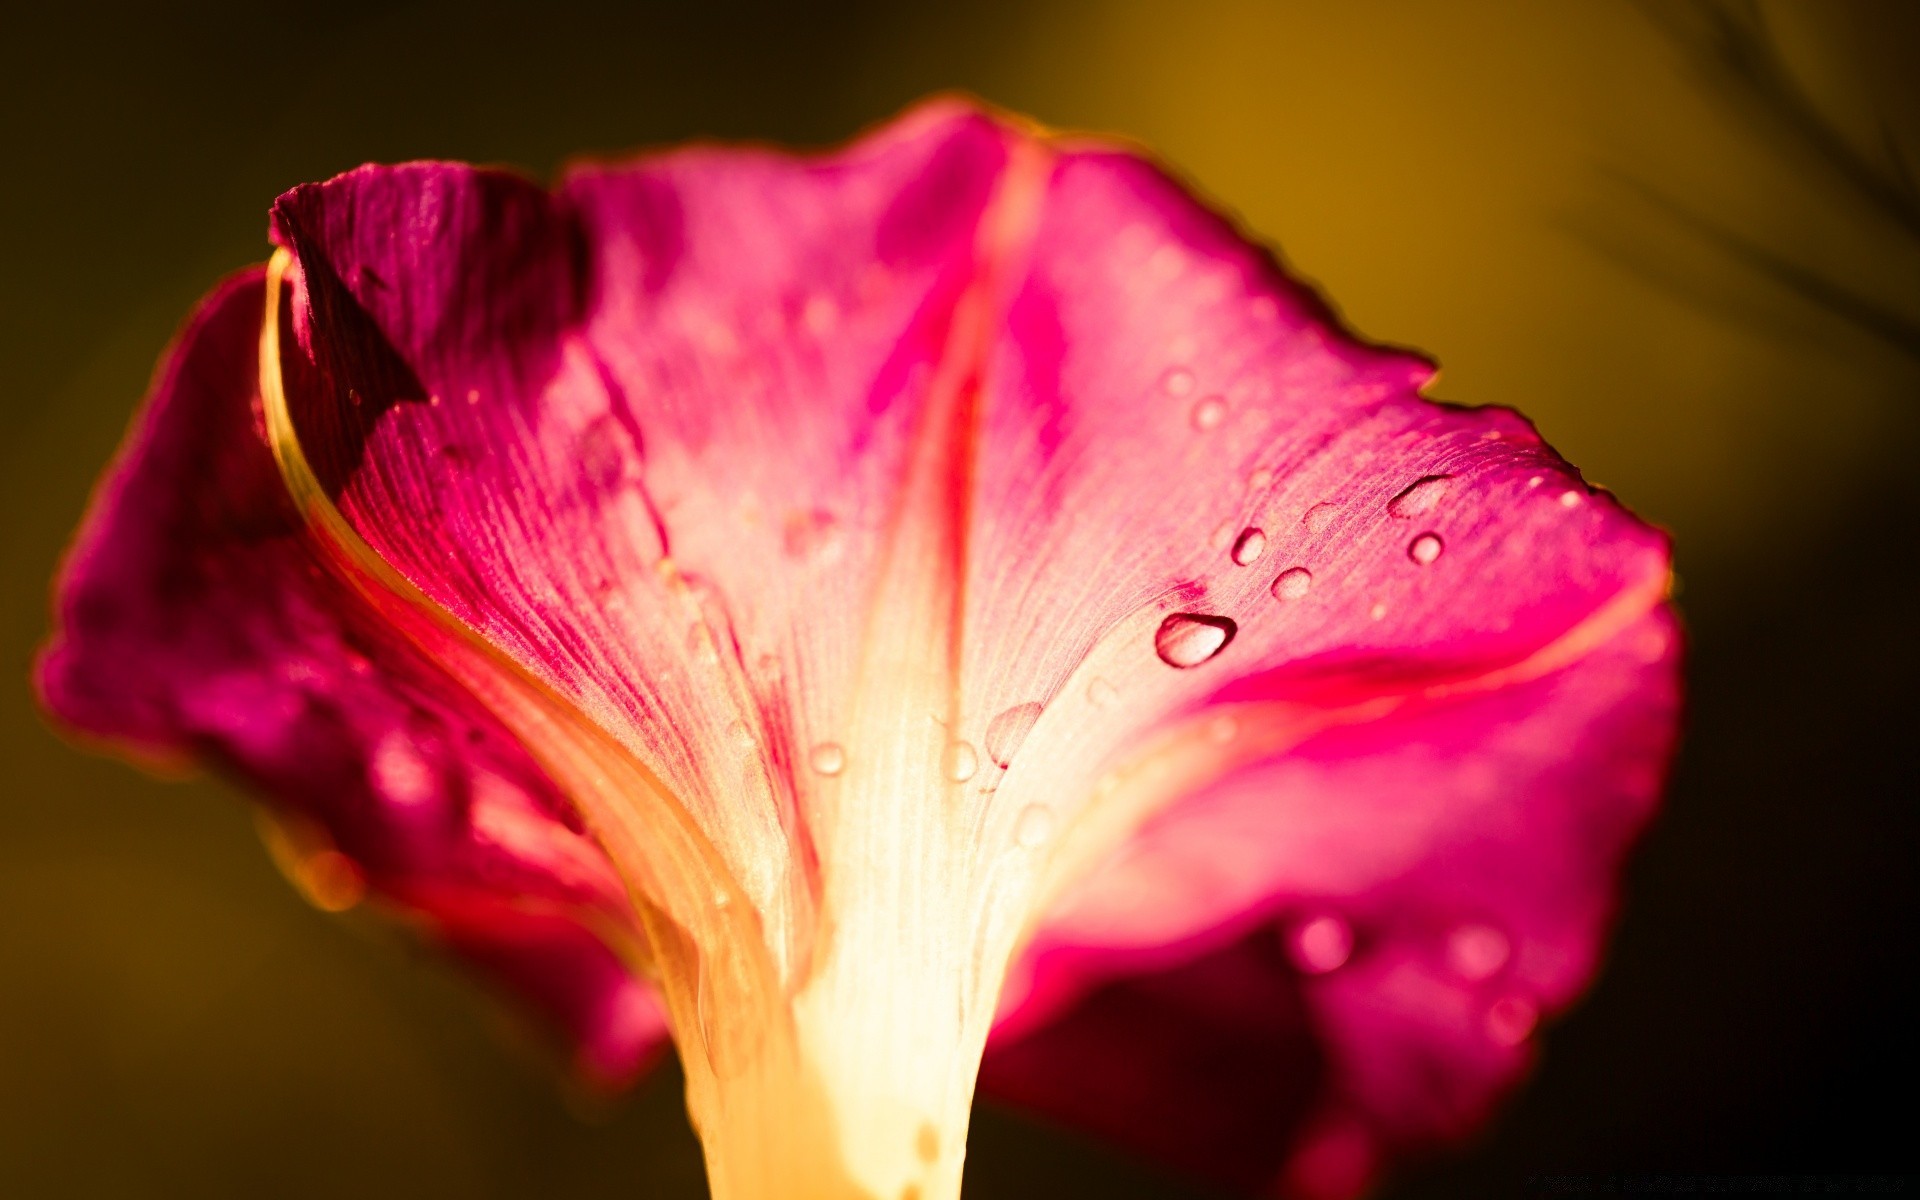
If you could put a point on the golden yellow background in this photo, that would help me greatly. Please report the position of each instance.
(1470, 178)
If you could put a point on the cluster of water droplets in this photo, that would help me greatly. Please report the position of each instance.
(1475, 954)
(1187, 639)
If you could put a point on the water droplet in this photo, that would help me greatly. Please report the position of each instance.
(1208, 413)
(1178, 381)
(1419, 496)
(1651, 645)
(1292, 583)
(1189, 639)
(400, 772)
(1007, 731)
(473, 395)
(813, 536)
(958, 762)
(1378, 611)
(820, 314)
(1249, 546)
(1569, 499)
(741, 736)
(1034, 826)
(603, 456)
(1260, 480)
(1511, 1019)
(1319, 517)
(828, 758)
(1477, 952)
(1102, 694)
(1320, 945)
(1425, 548)
(1222, 729)
(1536, 481)
(701, 644)
(1222, 535)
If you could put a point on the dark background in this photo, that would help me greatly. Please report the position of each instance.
(1695, 295)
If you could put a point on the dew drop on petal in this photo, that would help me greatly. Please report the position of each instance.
(1652, 645)
(1102, 694)
(1178, 381)
(1425, 548)
(1536, 481)
(1189, 639)
(603, 453)
(1569, 499)
(741, 736)
(813, 536)
(1511, 1019)
(1320, 944)
(1260, 480)
(1222, 535)
(1378, 612)
(1034, 826)
(1477, 952)
(958, 761)
(400, 772)
(1007, 731)
(1208, 413)
(828, 758)
(820, 314)
(1249, 546)
(1419, 496)
(1292, 583)
(1319, 517)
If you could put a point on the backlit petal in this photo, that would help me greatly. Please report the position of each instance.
(196, 621)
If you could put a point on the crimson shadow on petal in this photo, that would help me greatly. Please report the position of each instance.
(1210, 1067)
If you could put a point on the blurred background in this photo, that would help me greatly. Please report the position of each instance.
(1680, 237)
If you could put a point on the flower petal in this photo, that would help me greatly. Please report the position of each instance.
(644, 435)
(1331, 651)
(1397, 903)
(195, 621)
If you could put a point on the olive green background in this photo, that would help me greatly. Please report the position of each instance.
(1477, 179)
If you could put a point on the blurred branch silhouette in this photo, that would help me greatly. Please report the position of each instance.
(1729, 47)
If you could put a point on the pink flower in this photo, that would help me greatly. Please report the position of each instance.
(836, 608)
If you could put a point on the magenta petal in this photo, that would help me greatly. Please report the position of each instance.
(1459, 652)
(644, 434)
(196, 621)
(1409, 898)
